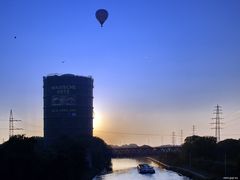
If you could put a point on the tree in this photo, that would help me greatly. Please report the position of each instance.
(200, 147)
(229, 148)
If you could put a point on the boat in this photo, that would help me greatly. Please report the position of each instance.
(145, 169)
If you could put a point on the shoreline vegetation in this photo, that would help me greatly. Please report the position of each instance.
(26, 158)
(204, 158)
(200, 157)
(182, 171)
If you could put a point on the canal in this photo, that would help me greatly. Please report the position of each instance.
(126, 169)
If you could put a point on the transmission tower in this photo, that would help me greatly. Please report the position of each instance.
(181, 137)
(193, 130)
(173, 138)
(11, 125)
(217, 111)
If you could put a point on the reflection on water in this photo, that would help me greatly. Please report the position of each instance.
(121, 164)
(125, 169)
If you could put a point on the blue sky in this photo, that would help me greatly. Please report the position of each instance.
(158, 66)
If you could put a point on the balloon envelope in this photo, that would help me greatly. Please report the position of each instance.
(101, 15)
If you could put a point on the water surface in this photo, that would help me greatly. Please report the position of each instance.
(125, 169)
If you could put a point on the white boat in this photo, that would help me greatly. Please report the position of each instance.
(145, 169)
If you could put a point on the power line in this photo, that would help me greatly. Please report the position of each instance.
(134, 134)
(236, 112)
(29, 130)
(33, 125)
(233, 120)
(231, 134)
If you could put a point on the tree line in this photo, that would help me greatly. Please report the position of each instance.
(26, 158)
(204, 154)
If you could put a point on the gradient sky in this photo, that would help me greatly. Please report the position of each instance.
(158, 66)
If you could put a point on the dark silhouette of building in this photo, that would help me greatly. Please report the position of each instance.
(68, 106)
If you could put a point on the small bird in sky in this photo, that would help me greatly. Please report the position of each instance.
(63, 61)
(15, 37)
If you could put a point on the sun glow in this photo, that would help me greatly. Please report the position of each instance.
(97, 120)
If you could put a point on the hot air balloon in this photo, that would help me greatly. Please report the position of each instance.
(101, 16)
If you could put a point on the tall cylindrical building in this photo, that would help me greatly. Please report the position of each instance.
(68, 106)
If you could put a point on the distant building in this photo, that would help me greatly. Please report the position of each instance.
(68, 106)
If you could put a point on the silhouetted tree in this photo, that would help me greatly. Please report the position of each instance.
(201, 147)
(230, 148)
(28, 158)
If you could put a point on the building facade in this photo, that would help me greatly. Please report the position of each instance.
(68, 106)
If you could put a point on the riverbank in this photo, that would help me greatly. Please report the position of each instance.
(29, 158)
(183, 171)
(205, 158)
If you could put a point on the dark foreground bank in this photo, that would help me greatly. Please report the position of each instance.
(23, 158)
(204, 158)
